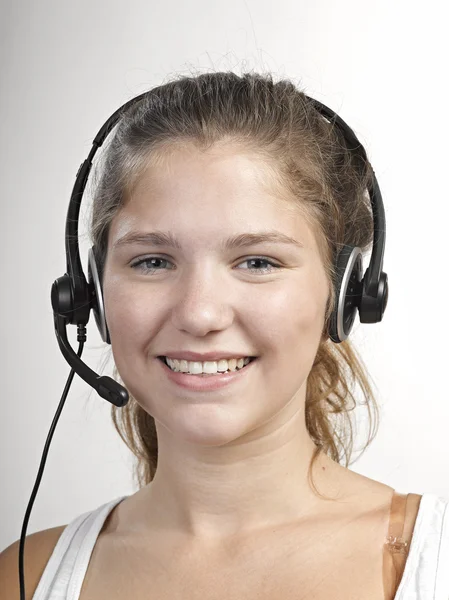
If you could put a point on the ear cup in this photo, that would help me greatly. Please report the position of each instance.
(373, 306)
(348, 291)
(94, 279)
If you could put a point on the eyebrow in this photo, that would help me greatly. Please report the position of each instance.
(160, 238)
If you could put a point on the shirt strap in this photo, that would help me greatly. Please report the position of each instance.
(403, 511)
(395, 549)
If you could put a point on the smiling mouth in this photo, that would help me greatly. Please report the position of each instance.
(236, 370)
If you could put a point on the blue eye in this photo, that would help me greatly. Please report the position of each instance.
(260, 259)
(139, 264)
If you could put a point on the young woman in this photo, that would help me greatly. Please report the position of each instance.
(220, 210)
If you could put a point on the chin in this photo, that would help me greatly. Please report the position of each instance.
(205, 426)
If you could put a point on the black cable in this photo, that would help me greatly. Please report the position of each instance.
(40, 472)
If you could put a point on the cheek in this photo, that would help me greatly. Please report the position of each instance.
(116, 302)
(293, 313)
(308, 319)
(129, 314)
(131, 323)
(291, 324)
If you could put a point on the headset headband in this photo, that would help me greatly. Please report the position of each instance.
(73, 297)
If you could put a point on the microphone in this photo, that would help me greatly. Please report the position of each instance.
(105, 386)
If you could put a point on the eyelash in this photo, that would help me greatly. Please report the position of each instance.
(138, 263)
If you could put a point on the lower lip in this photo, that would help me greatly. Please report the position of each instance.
(204, 383)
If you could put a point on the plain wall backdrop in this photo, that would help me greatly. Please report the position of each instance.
(66, 66)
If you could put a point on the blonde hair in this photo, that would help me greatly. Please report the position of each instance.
(309, 159)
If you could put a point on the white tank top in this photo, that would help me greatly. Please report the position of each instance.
(425, 576)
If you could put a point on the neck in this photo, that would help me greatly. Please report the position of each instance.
(258, 482)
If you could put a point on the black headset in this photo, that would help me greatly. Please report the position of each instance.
(73, 297)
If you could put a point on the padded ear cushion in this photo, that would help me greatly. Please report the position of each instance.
(97, 297)
(349, 273)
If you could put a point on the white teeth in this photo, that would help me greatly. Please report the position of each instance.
(211, 367)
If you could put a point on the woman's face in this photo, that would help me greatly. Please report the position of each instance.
(266, 299)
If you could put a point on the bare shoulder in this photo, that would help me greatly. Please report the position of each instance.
(38, 549)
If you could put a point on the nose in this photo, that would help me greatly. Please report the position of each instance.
(203, 302)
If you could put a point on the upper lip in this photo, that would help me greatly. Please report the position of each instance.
(195, 356)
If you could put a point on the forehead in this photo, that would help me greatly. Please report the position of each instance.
(210, 194)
